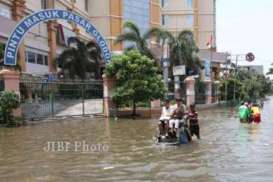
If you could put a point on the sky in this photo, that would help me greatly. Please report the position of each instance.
(246, 26)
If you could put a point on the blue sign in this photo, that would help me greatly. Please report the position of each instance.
(28, 22)
(207, 70)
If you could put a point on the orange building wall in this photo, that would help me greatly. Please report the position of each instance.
(155, 13)
(115, 22)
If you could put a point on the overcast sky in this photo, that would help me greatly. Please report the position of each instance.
(246, 26)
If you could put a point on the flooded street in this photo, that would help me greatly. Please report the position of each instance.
(228, 151)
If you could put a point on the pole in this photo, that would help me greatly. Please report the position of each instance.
(166, 64)
(235, 76)
(226, 90)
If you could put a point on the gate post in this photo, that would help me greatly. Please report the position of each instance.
(109, 106)
(208, 91)
(190, 90)
(12, 83)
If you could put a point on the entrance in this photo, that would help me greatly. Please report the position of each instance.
(42, 99)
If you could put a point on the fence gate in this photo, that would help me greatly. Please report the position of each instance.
(41, 99)
(200, 92)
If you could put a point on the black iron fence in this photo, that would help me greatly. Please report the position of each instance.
(60, 98)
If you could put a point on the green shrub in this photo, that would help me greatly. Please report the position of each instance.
(8, 102)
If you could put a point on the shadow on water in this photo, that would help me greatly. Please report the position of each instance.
(228, 151)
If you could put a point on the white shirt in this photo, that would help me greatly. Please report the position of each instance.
(166, 113)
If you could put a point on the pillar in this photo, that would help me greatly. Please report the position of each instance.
(11, 82)
(52, 41)
(217, 91)
(208, 91)
(18, 11)
(190, 90)
(109, 107)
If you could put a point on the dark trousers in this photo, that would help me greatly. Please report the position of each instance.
(195, 130)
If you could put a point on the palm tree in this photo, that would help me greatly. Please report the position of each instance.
(183, 49)
(80, 59)
(132, 34)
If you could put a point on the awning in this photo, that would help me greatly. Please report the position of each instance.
(7, 25)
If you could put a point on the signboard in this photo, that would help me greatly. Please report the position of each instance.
(207, 70)
(179, 70)
(250, 57)
(28, 22)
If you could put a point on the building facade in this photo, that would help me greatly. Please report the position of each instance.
(44, 42)
(195, 15)
(199, 16)
(109, 15)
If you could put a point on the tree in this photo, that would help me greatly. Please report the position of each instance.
(8, 101)
(80, 59)
(137, 79)
(248, 86)
(270, 72)
(132, 34)
(183, 49)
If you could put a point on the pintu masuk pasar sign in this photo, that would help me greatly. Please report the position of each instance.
(16, 36)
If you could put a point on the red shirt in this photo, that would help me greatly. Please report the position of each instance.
(193, 117)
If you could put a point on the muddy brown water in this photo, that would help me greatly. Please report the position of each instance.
(125, 150)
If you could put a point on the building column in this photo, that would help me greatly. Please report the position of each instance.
(11, 83)
(109, 107)
(52, 43)
(18, 10)
(196, 21)
(190, 90)
(217, 91)
(208, 91)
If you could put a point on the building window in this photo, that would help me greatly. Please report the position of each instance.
(86, 5)
(40, 59)
(46, 60)
(36, 58)
(164, 19)
(162, 3)
(189, 3)
(190, 21)
(31, 57)
(44, 4)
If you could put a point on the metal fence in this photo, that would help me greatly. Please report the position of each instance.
(200, 92)
(41, 99)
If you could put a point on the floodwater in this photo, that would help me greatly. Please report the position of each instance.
(124, 150)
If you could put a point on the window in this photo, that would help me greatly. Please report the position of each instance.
(31, 57)
(86, 5)
(44, 4)
(36, 58)
(164, 19)
(162, 3)
(46, 60)
(189, 3)
(40, 59)
(190, 21)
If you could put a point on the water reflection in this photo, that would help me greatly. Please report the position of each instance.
(228, 151)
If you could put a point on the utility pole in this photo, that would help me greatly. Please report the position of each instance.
(166, 65)
(235, 76)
